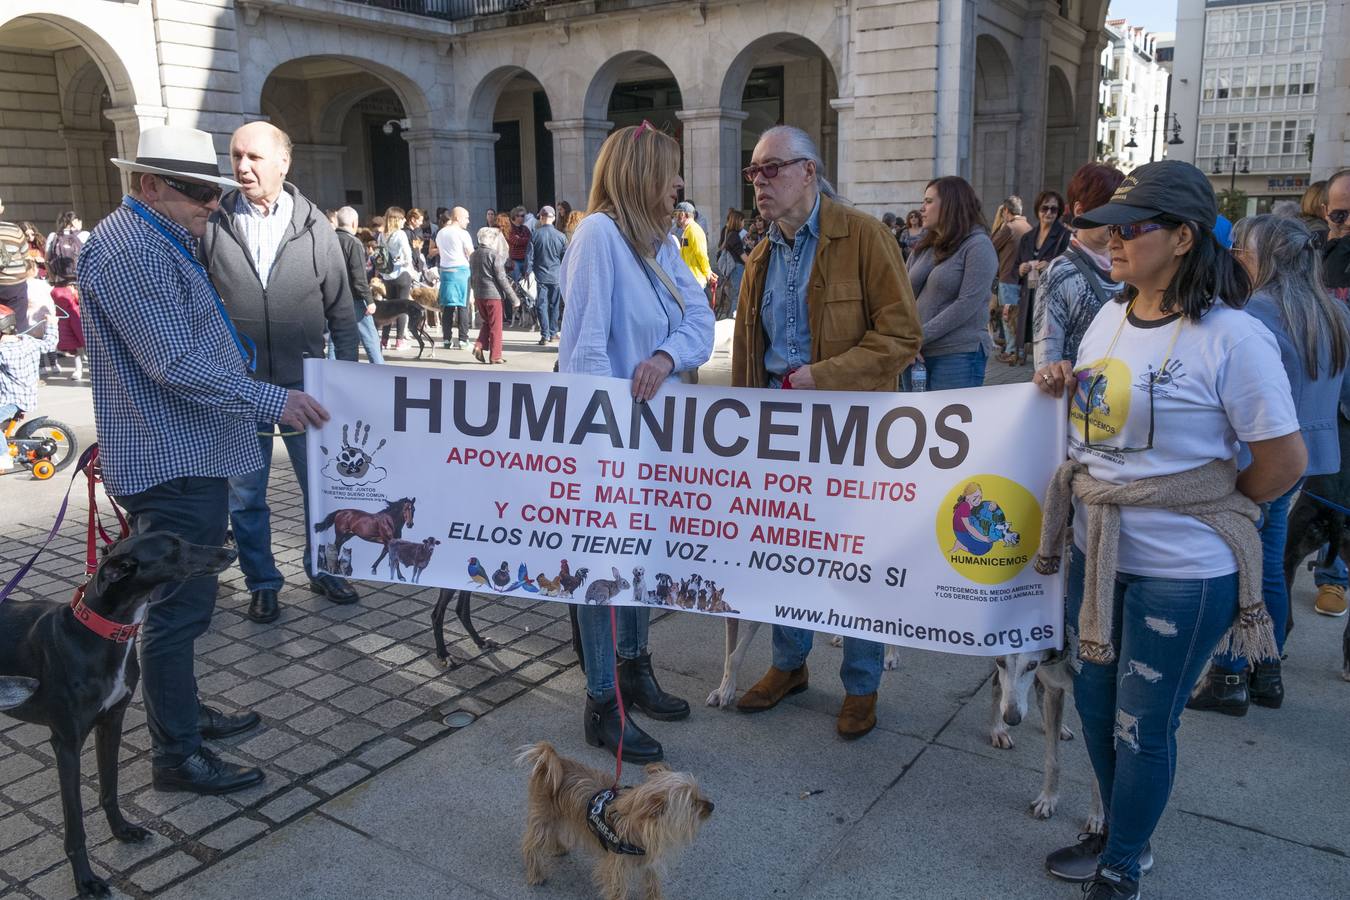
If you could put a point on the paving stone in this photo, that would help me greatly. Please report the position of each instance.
(269, 744)
(218, 682)
(29, 735)
(299, 648)
(293, 675)
(369, 643)
(42, 783)
(407, 629)
(393, 713)
(283, 706)
(289, 804)
(38, 855)
(307, 758)
(350, 735)
(398, 654)
(365, 670)
(314, 721)
(233, 833)
(386, 752)
(161, 872)
(332, 660)
(501, 691)
(536, 672)
(228, 654)
(339, 779)
(260, 664)
(427, 730)
(358, 699)
(195, 817)
(251, 693)
(432, 694)
(324, 686)
(16, 766)
(15, 829)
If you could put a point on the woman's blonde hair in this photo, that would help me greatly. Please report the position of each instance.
(393, 219)
(632, 173)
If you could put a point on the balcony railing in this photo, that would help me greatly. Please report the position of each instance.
(455, 10)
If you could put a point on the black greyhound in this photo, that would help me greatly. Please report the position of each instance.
(84, 662)
(1312, 524)
(462, 611)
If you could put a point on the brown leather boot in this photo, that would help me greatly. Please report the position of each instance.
(857, 716)
(774, 686)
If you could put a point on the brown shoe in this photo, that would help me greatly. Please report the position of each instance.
(857, 716)
(773, 687)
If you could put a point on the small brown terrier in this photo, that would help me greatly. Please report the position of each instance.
(661, 816)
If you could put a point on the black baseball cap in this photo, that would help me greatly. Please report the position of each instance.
(1170, 188)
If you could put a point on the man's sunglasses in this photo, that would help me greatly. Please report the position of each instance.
(1338, 216)
(1130, 232)
(769, 170)
(194, 190)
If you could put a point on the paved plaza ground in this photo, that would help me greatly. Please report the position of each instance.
(369, 794)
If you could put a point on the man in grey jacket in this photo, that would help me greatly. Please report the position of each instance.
(283, 277)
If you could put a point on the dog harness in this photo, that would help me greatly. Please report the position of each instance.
(104, 628)
(603, 831)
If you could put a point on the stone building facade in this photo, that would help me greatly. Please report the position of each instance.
(488, 102)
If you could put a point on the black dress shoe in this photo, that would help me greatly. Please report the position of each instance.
(205, 773)
(1223, 692)
(1266, 687)
(263, 607)
(335, 589)
(641, 691)
(602, 730)
(213, 724)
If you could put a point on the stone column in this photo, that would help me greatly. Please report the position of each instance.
(844, 136)
(317, 170)
(94, 190)
(1087, 99)
(453, 168)
(576, 144)
(1033, 67)
(130, 121)
(712, 159)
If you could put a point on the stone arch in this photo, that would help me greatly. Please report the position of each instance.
(116, 70)
(336, 109)
(738, 70)
(997, 120)
(1059, 105)
(606, 79)
(506, 108)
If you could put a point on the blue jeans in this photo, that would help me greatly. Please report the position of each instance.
(860, 671)
(369, 337)
(251, 519)
(1274, 534)
(1163, 630)
(193, 509)
(517, 270)
(1336, 573)
(951, 371)
(550, 310)
(597, 642)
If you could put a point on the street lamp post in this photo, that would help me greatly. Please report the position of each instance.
(1153, 135)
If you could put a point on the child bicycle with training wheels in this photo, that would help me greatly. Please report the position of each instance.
(42, 446)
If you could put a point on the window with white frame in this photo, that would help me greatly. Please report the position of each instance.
(1264, 30)
(1263, 145)
(1259, 87)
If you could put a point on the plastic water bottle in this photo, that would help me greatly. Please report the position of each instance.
(918, 376)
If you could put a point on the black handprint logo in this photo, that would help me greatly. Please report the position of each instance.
(352, 460)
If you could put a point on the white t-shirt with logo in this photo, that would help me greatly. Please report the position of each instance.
(1223, 383)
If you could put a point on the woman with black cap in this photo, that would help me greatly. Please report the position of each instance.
(1165, 562)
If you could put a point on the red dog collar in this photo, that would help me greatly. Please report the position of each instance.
(104, 628)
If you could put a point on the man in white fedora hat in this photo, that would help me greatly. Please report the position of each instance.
(278, 264)
(177, 416)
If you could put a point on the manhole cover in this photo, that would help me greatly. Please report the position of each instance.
(458, 719)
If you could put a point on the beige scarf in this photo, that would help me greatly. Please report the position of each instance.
(1207, 493)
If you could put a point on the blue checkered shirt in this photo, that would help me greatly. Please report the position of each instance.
(172, 397)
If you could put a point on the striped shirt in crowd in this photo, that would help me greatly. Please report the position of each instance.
(263, 230)
(172, 396)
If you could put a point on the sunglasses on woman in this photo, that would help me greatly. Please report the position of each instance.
(1050, 209)
(1130, 232)
(770, 170)
(194, 190)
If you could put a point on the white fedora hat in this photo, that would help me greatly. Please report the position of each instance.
(179, 152)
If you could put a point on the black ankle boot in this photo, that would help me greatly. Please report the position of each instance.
(640, 690)
(1222, 692)
(602, 730)
(1266, 688)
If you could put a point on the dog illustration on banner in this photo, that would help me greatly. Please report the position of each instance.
(979, 524)
(334, 560)
(377, 527)
(354, 466)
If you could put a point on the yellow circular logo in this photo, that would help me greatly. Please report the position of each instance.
(1101, 401)
(988, 527)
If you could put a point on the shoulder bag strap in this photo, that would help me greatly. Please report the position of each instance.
(650, 268)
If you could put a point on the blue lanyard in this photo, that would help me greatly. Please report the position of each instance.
(248, 351)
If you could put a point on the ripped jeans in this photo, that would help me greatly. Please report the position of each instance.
(1164, 630)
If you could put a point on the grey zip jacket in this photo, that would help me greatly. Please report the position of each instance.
(307, 290)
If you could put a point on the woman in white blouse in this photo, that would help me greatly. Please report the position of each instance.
(634, 311)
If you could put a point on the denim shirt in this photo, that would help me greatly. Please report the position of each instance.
(783, 308)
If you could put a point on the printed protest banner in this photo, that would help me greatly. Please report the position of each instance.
(906, 518)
